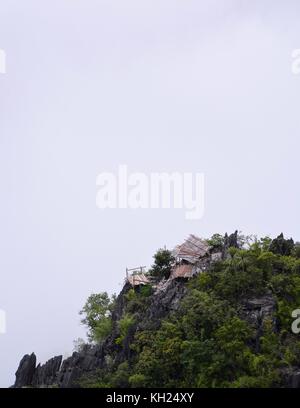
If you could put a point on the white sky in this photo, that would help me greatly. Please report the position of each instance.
(158, 85)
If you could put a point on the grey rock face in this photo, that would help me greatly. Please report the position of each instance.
(46, 374)
(26, 370)
(231, 240)
(256, 310)
(90, 358)
(55, 372)
(165, 301)
(28, 375)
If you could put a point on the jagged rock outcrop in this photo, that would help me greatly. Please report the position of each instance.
(46, 374)
(81, 362)
(26, 370)
(55, 372)
(28, 375)
(231, 240)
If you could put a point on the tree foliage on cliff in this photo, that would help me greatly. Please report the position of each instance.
(97, 316)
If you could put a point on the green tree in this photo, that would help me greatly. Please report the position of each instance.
(163, 263)
(96, 314)
(216, 242)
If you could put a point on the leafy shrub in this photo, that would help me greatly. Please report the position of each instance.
(124, 325)
(146, 290)
(137, 381)
(216, 241)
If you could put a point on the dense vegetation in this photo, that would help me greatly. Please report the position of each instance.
(208, 341)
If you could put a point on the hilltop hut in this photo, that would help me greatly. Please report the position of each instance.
(189, 257)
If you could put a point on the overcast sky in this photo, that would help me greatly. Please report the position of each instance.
(158, 85)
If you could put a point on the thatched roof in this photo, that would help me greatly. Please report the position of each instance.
(192, 249)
